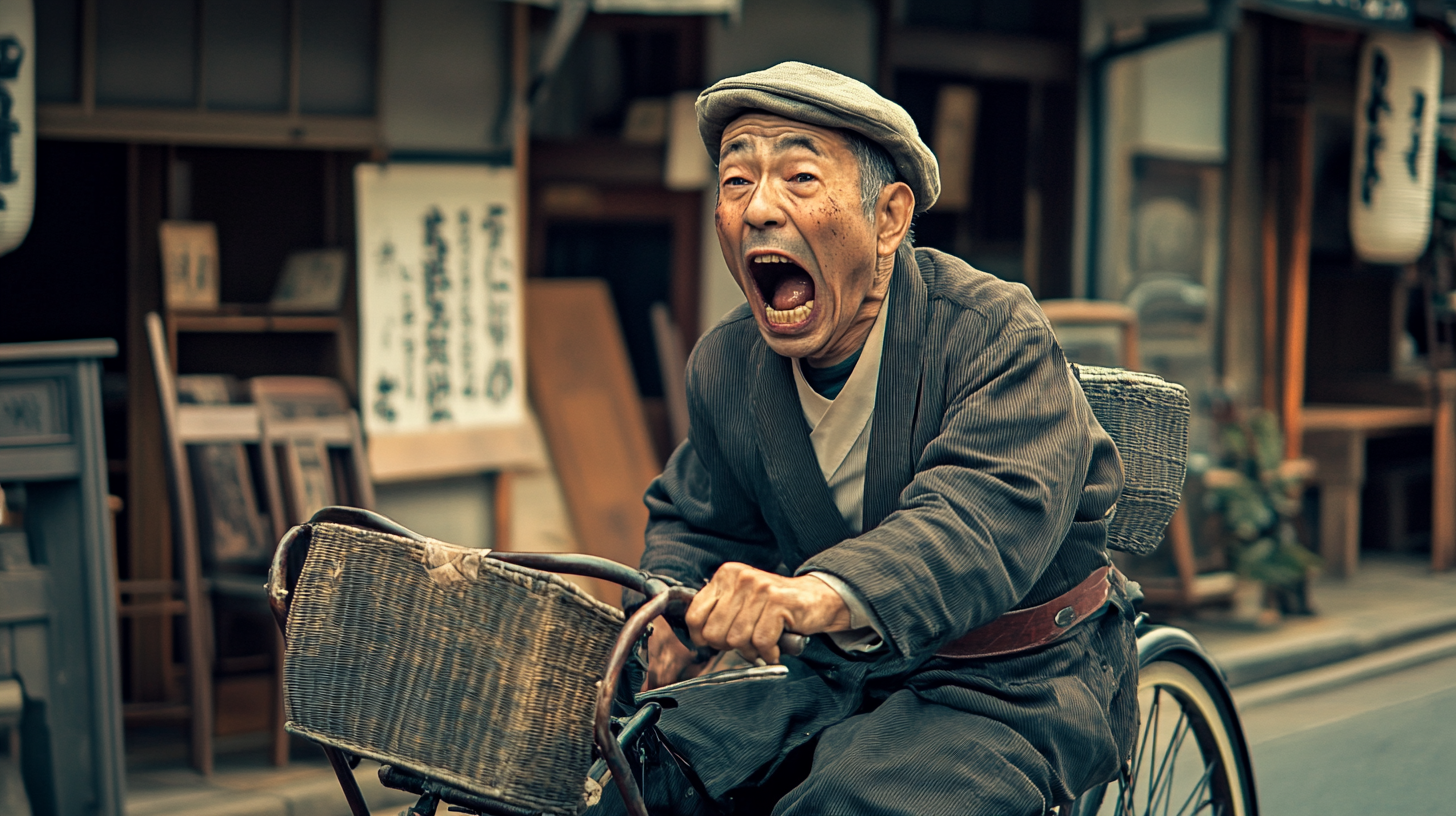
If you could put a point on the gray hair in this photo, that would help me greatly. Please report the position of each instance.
(876, 171)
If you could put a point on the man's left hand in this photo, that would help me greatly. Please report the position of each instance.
(748, 609)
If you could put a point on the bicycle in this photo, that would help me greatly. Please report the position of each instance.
(372, 613)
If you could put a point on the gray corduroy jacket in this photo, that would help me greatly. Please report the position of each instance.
(986, 489)
(987, 483)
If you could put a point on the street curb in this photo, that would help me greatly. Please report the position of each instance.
(1372, 665)
(1247, 666)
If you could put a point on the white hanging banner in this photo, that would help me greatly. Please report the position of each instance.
(17, 121)
(439, 298)
(1394, 166)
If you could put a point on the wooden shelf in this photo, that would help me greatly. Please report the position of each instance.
(242, 323)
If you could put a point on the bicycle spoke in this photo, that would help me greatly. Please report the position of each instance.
(1199, 788)
(1160, 785)
(1129, 790)
(1176, 785)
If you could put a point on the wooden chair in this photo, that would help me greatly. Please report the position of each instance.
(192, 434)
(1188, 589)
(314, 447)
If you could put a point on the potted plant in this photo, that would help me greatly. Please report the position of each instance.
(1257, 494)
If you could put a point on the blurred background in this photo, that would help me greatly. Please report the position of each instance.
(231, 204)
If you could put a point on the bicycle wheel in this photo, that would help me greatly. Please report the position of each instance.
(1190, 758)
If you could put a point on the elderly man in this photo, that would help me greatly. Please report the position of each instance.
(887, 449)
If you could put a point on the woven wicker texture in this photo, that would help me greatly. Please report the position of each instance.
(1148, 419)
(431, 657)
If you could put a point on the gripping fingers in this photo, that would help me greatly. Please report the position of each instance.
(699, 612)
(766, 635)
(744, 634)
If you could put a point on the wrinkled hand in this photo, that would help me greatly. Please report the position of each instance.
(668, 660)
(748, 609)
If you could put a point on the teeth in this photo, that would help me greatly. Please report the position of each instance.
(771, 259)
(797, 314)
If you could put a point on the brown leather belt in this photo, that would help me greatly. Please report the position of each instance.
(1024, 629)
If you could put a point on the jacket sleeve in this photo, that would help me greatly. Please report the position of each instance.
(993, 496)
(699, 514)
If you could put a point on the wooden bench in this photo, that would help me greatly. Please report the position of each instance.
(1335, 437)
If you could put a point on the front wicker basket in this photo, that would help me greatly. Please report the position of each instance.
(1148, 419)
(433, 658)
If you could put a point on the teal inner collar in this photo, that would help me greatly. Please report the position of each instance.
(828, 382)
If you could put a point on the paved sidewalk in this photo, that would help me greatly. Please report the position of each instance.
(1393, 614)
(1390, 601)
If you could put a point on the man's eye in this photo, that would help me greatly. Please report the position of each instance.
(803, 178)
(734, 182)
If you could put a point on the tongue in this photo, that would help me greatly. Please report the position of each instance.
(795, 289)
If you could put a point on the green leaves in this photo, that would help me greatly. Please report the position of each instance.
(1258, 497)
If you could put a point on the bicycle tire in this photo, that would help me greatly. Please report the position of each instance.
(1212, 776)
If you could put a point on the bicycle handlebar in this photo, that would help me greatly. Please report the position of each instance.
(645, 583)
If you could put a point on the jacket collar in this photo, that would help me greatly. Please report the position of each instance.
(891, 462)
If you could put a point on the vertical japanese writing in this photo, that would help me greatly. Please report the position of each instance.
(467, 315)
(439, 333)
(1376, 105)
(392, 272)
(1418, 112)
(12, 54)
(497, 304)
(437, 327)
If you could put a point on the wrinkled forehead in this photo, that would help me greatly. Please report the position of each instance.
(754, 129)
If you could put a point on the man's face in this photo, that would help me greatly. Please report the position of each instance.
(795, 237)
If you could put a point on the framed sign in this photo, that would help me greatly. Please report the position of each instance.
(189, 264)
(439, 299)
(312, 281)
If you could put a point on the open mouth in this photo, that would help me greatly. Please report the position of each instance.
(786, 288)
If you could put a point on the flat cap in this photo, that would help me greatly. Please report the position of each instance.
(818, 96)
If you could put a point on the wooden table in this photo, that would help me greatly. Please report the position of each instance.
(1335, 437)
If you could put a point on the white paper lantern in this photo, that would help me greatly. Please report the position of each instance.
(1394, 167)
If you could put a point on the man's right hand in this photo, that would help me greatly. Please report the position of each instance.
(668, 660)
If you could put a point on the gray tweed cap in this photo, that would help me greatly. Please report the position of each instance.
(818, 96)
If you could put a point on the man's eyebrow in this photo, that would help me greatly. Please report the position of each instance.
(790, 142)
(735, 146)
(783, 144)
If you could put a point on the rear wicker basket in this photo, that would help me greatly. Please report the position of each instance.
(434, 658)
(1148, 419)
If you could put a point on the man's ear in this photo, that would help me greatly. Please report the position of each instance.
(893, 213)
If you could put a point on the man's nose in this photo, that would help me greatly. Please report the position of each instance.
(763, 210)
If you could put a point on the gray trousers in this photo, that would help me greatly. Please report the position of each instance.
(1008, 737)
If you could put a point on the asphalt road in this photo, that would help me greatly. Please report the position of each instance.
(1381, 746)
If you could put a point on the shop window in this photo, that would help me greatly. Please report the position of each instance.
(246, 43)
(336, 55)
(57, 51)
(146, 53)
(1161, 210)
(181, 71)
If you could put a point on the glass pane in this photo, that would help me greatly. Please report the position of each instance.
(245, 54)
(146, 52)
(1161, 217)
(57, 57)
(337, 40)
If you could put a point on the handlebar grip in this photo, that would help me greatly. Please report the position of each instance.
(792, 644)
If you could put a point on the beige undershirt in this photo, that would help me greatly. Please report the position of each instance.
(840, 434)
